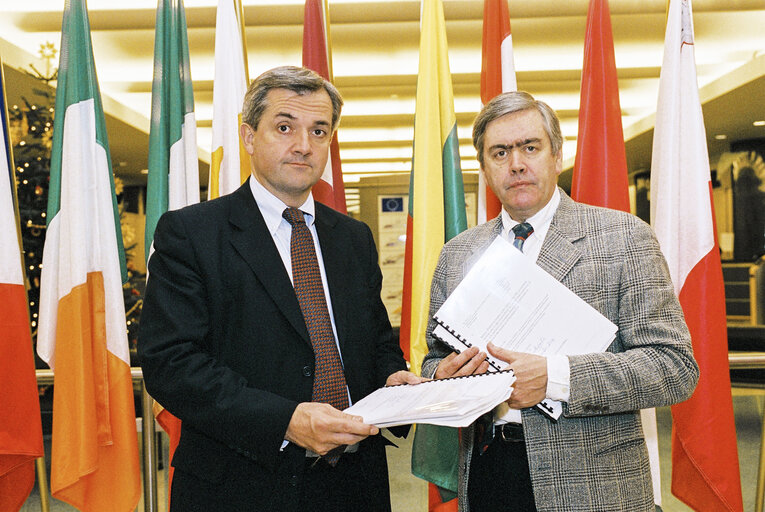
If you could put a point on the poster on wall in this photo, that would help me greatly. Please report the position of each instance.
(391, 226)
(392, 213)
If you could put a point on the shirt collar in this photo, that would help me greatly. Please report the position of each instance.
(540, 221)
(271, 207)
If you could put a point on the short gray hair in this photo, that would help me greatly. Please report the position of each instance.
(509, 103)
(292, 78)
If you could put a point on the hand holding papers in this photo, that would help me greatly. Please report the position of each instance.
(508, 300)
(454, 402)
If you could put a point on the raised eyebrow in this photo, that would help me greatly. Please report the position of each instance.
(287, 115)
(516, 145)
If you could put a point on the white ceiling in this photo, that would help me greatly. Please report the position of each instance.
(375, 58)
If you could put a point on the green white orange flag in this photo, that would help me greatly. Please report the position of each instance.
(436, 214)
(20, 427)
(230, 163)
(705, 469)
(82, 334)
(600, 167)
(317, 56)
(497, 76)
(173, 180)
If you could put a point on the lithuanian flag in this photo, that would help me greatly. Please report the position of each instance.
(82, 335)
(436, 214)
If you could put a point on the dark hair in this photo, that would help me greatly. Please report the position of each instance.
(509, 103)
(293, 78)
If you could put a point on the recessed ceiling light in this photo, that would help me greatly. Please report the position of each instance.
(759, 123)
(721, 136)
(144, 171)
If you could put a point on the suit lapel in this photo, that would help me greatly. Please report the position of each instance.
(334, 251)
(251, 239)
(559, 254)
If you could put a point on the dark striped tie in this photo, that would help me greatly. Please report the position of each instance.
(522, 232)
(329, 384)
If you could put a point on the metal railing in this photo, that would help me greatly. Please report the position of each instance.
(149, 463)
(736, 360)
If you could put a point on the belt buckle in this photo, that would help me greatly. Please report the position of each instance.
(512, 439)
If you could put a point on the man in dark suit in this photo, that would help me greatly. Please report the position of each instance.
(594, 457)
(228, 345)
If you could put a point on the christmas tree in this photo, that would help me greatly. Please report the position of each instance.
(31, 130)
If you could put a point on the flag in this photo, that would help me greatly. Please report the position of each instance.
(82, 334)
(683, 218)
(230, 164)
(497, 76)
(600, 167)
(173, 180)
(20, 426)
(317, 56)
(436, 214)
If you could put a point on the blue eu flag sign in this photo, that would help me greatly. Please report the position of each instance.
(392, 204)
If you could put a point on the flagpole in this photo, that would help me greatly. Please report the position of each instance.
(239, 9)
(42, 476)
(325, 8)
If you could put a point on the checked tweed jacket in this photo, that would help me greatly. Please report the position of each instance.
(594, 458)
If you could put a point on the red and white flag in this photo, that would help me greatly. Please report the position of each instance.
(497, 76)
(600, 167)
(317, 55)
(20, 427)
(682, 215)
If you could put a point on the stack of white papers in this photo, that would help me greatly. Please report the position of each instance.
(506, 299)
(454, 402)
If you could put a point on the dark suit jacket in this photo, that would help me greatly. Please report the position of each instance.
(224, 347)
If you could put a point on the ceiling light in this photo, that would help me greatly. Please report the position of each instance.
(144, 171)
(721, 136)
(759, 123)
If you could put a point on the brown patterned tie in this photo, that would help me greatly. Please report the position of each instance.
(329, 384)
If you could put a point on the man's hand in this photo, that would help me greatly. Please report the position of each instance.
(465, 363)
(403, 377)
(530, 370)
(320, 428)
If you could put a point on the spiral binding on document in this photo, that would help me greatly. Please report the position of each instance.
(461, 339)
(509, 370)
(545, 407)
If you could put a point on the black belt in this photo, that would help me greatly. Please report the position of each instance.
(509, 432)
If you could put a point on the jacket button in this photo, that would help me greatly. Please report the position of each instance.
(307, 371)
(294, 480)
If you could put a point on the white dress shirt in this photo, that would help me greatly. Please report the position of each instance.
(558, 374)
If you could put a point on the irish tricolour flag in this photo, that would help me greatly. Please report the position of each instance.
(82, 335)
